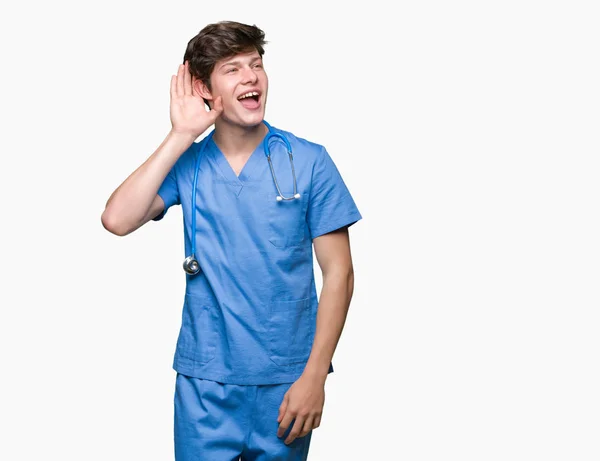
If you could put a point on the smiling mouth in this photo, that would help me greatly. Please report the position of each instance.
(250, 102)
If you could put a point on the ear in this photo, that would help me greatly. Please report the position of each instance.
(200, 89)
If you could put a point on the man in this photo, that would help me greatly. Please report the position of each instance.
(256, 343)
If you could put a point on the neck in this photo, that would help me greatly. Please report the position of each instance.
(235, 140)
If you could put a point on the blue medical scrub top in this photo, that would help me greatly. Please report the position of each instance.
(249, 315)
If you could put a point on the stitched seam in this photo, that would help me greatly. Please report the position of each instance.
(224, 379)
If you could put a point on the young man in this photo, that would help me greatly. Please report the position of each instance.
(256, 343)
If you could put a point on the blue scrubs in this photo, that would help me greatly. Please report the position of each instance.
(249, 316)
(216, 421)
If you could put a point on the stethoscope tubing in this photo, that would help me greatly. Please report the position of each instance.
(190, 264)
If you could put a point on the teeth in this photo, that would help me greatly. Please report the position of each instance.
(247, 95)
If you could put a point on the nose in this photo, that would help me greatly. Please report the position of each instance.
(248, 75)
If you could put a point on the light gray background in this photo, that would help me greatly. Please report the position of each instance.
(467, 133)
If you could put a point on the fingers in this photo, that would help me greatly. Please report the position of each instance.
(173, 86)
(283, 405)
(187, 79)
(283, 419)
(180, 70)
(285, 423)
(302, 424)
(181, 84)
(309, 424)
(296, 430)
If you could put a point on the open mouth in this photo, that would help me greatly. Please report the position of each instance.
(250, 100)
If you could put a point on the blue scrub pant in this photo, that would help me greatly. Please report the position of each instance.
(229, 422)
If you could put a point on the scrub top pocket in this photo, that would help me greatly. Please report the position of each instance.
(291, 329)
(198, 334)
(287, 225)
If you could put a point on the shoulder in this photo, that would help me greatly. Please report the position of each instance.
(189, 156)
(302, 148)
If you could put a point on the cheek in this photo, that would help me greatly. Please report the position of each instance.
(230, 106)
(229, 97)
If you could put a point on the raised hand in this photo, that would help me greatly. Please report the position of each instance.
(188, 113)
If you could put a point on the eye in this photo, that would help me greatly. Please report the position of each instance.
(231, 70)
(258, 65)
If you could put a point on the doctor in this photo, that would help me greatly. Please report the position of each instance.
(256, 342)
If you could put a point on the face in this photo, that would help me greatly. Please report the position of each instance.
(232, 79)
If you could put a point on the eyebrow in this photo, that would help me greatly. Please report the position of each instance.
(237, 63)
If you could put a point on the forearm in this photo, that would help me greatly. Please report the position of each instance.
(129, 204)
(334, 302)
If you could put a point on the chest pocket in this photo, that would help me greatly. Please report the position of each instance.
(286, 219)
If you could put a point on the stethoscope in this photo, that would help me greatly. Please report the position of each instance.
(190, 264)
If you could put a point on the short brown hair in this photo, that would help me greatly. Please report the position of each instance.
(219, 41)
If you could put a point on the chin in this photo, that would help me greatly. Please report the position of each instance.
(252, 120)
(247, 119)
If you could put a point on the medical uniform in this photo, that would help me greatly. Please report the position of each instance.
(249, 315)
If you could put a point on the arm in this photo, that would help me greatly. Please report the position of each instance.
(333, 255)
(135, 201)
(304, 400)
(331, 211)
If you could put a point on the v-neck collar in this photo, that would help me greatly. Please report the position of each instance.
(226, 169)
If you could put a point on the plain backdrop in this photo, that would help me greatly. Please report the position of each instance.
(467, 133)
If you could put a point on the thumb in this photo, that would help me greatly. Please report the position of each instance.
(217, 107)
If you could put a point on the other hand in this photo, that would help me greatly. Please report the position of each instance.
(304, 402)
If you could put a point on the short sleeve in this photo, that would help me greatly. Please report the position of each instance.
(330, 205)
(169, 192)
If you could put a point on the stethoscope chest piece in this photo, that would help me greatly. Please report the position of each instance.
(190, 265)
